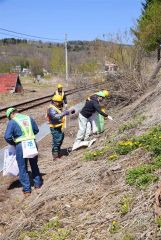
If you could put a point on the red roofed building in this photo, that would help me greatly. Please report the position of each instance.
(10, 82)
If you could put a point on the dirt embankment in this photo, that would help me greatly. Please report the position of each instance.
(85, 200)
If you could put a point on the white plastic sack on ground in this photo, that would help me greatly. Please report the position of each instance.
(91, 142)
(79, 145)
(10, 167)
(83, 144)
(29, 149)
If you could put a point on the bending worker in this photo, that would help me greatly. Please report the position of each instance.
(96, 121)
(62, 94)
(21, 128)
(91, 106)
(56, 119)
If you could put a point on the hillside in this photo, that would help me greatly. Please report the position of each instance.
(83, 56)
(91, 194)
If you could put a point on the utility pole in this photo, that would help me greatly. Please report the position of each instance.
(66, 60)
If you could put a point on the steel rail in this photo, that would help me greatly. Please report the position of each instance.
(48, 99)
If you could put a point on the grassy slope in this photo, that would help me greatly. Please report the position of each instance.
(86, 196)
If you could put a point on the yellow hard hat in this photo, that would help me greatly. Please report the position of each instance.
(59, 85)
(57, 98)
(106, 93)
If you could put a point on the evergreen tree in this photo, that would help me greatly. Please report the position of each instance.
(148, 31)
(145, 5)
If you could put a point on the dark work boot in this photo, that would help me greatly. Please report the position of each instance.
(59, 154)
(55, 156)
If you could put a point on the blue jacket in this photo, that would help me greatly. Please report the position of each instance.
(54, 116)
(14, 131)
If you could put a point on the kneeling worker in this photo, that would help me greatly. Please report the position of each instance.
(56, 119)
(22, 128)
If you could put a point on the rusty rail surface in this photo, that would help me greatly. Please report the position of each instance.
(42, 100)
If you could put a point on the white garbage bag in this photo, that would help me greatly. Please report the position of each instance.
(91, 142)
(10, 167)
(29, 149)
(80, 144)
(83, 144)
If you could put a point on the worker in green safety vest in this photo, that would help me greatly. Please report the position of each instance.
(22, 128)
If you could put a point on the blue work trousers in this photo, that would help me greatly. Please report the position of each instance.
(23, 173)
(57, 139)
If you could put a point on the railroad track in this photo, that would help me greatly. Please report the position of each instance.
(42, 100)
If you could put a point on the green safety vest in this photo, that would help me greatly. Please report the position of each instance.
(24, 123)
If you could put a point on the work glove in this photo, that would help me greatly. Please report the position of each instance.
(110, 118)
(72, 111)
(66, 106)
(66, 112)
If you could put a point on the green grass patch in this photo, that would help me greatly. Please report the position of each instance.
(158, 221)
(124, 147)
(141, 176)
(113, 157)
(114, 227)
(52, 230)
(125, 204)
(150, 141)
(94, 155)
(52, 224)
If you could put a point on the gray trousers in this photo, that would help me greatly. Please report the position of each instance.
(84, 129)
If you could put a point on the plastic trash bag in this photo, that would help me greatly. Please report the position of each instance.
(83, 144)
(100, 123)
(97, 122)
(80, 144)
(10, 167)
(29, 149)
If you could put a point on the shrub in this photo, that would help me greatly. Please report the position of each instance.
(141, 176)
(125, 147)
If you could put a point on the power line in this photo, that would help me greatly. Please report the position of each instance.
(7, 34)
(32, 36)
